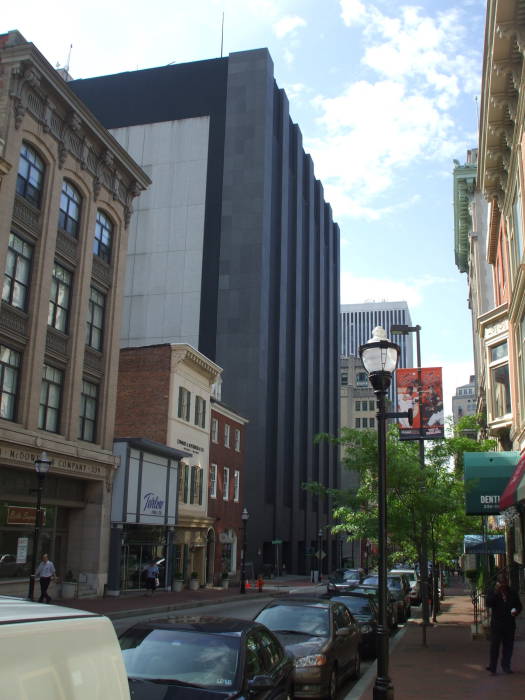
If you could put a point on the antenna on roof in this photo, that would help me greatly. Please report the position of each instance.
(66, 67)
(222, 32)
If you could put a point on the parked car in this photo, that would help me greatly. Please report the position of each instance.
(364, 609)
(195, 657)
(415, 584)
(9, 567)
(50, 652)
(344, 580)
(323, 638)
(400, 590)
(391, 605)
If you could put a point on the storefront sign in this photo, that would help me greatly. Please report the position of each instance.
(18, 515)
(190, 446)
(61, 463)
(486, 475)
(21, 550)
(152, 504)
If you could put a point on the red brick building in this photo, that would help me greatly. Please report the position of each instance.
(226, 487)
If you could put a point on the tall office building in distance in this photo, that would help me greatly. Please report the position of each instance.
(234, 251)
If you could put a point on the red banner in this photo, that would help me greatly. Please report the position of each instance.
(429, 417)
(18, 515)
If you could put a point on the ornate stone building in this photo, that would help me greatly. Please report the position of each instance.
(66, 193)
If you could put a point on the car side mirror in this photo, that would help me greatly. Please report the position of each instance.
(343, 632)
(260, 683)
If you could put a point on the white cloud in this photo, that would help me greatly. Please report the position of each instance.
(352, 11)
(288, 24)
(356, 290)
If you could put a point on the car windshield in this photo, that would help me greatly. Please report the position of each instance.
(206, 660)
(346, 575)
(391, 581)
(305, 619)
(359, 607)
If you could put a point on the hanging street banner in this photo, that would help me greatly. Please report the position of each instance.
(428, 422)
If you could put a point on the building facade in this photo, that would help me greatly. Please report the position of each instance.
(66, 196)
(235, 251)
(226, 488)
(164, 396)
(464, 400)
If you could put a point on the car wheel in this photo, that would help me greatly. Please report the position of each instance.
(332, 684)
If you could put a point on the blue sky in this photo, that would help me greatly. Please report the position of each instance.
(384, 93)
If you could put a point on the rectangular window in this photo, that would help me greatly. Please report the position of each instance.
(184, 483)
(518, 230)
(226, 484)
(226, 435)
(237, 439)
(520, 348)
(17, 272)
(95, 321)
(88, 412)
(200, 412)
(50, 399)
(60, 299)
(214, 430)
(184, 404)
(236, 485)
(10, 361)
(213, 481)
(365, 423)
(358, 405)
(371, 422)
(499, 380)
(371, 405)
(358, 422)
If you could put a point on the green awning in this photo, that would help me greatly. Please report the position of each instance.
(486, 476)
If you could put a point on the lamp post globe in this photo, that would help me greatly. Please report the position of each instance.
(379, 356)
(42, 466)
(244, 517)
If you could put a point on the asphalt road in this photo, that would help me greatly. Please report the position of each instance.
(245, 609)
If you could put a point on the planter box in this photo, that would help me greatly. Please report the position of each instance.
(194, 584)
(225, 583)
(177, 585)
(69, 590)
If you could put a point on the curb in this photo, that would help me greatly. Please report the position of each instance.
(362, 685)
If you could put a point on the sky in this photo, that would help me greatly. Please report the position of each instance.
(386, 96)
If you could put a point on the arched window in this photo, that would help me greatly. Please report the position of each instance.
(69, 214)
(103, 237)
(30, 178)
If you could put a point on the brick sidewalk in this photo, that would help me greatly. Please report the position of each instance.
(452, 665)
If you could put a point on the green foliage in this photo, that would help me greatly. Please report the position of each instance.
(432, 497)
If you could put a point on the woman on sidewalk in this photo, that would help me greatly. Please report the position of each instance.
(152, 577)
(506, 606)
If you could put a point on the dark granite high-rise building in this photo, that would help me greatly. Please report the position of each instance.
(235, 252)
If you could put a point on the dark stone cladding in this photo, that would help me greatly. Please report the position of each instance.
(272, 267)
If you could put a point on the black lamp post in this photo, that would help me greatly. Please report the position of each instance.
(404, 329)
(320, 550)
(42, 466)
(379, 356)
(244, 518)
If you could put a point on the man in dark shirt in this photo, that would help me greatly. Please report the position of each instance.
(506, 605)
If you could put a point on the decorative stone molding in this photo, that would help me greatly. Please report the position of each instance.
(508, 66)
(497, 329)
(93, 360)
(55, 342)
(101, 271)
(26, 215)
(67, 246)
(11, 321)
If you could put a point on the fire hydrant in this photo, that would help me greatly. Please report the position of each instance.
(260, 583)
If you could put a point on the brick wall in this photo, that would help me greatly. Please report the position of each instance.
(143, 393)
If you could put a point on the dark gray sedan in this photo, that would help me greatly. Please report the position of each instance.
(322, 636)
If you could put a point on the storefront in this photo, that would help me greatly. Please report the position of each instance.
(75, 501)
(143, 513)
(512, 505)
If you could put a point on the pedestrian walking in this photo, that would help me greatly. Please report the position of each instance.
(46, 572)
(505, 604)
(152, 577)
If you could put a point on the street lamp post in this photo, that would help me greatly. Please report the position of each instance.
(244, 518)
(379, 356)
(320, 553)
(42, 466)
(403, 329)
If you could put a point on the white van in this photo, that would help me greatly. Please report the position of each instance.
(49, 652)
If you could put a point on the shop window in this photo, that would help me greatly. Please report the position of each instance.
(236, 485)
(10, 361)
(200, 412)
(213, 481)
(237, 439)
(17, 272)
(226, 435)
(60, 298)
(184, 404)
(88, 412)
(499, 380)
(50, 399)
(225, 484)
(103, 237)
(214, 430)
(69, 212)
(30, 178)
(95, 321)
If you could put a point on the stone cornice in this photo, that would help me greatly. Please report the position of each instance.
(464, 187)
(181, 352)
(35, 88)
